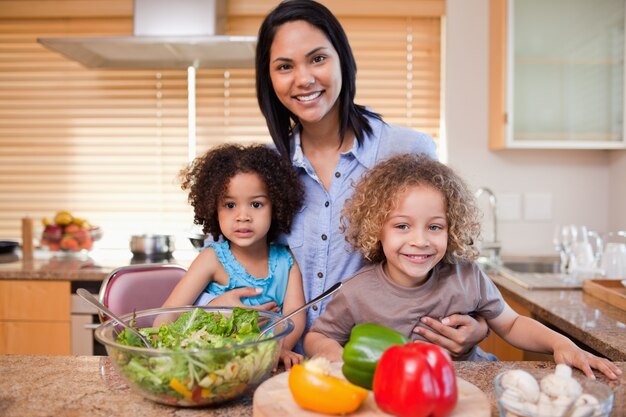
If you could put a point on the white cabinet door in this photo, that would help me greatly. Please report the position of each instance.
(563, 74)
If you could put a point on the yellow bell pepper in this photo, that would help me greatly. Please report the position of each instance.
(180, 388)
(313, 388)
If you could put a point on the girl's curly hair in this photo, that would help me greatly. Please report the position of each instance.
(375, 197)
(207, 177)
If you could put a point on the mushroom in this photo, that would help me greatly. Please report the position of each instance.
(561, 404)
(562, 370)
(586, 399)
(582, 411)
(584, 406)
(544, 406)
(523, 382)
(513, 401)
(561, 384)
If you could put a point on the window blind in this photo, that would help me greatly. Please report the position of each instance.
(107, 144)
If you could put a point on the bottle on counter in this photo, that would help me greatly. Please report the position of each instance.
(27, 238)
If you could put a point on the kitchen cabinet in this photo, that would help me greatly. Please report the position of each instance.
(35, 317)
(498, 346)
(556, 74)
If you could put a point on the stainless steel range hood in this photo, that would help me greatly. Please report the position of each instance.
(167, 34)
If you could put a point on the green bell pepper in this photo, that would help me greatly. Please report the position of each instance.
(367, 343)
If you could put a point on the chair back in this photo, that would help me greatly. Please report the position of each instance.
(139, 287)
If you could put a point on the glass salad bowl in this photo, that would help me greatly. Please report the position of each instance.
(202, 356)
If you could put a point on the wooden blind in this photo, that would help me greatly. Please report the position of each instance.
(107, 144)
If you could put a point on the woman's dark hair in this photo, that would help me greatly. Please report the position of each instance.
(278, 118)
(208, 176)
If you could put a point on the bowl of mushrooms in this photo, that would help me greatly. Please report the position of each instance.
(547, 393)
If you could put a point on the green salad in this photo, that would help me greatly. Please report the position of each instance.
(195, 372)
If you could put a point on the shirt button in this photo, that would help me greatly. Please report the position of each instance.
(326, 204)
(320, 275)
(337, 174)
(324, 237)
(314, 308)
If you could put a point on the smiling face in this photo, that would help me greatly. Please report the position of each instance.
(414, 236)
(245, 211)
(305, 72)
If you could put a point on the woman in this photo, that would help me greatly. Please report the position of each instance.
(305, 81)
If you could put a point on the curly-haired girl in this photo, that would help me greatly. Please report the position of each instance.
(245, 196)
(416, 220)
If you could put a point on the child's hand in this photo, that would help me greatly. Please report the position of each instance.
(233, 298)
(568, 353)
(289, 358)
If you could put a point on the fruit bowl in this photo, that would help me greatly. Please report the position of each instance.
(203, 355)
(69, 234)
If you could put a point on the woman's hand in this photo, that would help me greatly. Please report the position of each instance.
(233, 298)
(457, 333)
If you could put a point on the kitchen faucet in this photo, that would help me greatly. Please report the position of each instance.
(491, 249)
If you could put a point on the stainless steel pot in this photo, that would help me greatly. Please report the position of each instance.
(152, 245)
(197, 240)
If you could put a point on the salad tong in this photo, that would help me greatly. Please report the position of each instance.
(87, 296)
(316, 300)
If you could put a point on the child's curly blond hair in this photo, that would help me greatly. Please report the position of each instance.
(375, 197)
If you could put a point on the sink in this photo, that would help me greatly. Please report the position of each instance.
(532, 272)
(524, 265)
(533, 266)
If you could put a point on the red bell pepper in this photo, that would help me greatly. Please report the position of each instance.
(415, 380)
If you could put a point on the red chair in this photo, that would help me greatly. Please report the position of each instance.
(139, 287)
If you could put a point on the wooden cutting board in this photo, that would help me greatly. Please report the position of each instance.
(612, 291)
(273, 399)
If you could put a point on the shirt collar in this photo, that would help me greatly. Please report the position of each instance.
(365, 153)
(298, 156)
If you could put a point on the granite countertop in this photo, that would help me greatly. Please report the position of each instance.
(598, 325)
(96, 266)
(38, 386)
